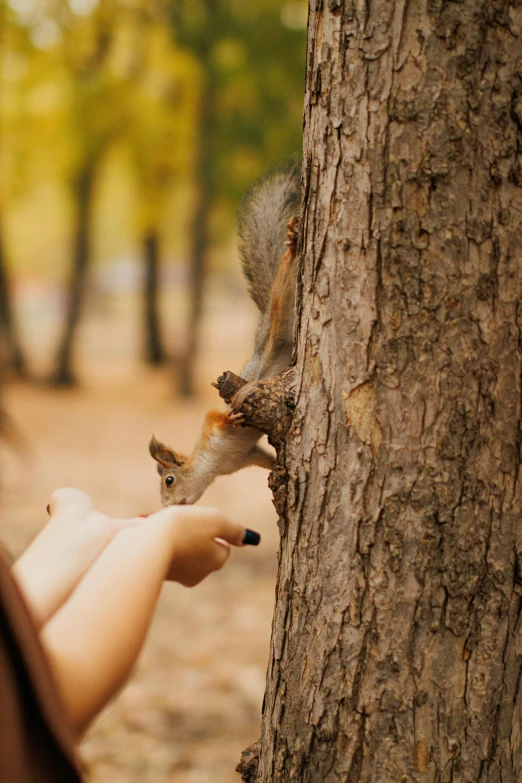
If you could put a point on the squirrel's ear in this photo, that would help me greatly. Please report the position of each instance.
(164, 456)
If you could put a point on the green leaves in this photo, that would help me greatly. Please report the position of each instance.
(124, 79)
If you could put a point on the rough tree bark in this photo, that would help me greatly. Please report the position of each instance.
(396, 642)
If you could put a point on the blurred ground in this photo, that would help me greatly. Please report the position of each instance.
(194, 702)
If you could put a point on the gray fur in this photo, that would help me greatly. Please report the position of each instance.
(262, 227)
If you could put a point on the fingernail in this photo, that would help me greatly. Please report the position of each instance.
(251, 537)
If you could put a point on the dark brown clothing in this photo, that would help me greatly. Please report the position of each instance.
(36, 742)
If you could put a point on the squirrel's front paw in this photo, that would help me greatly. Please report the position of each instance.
(293, 227)
(236, 419)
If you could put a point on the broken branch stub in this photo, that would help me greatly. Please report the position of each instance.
(227, 385)
(249, 764)
(266, 405)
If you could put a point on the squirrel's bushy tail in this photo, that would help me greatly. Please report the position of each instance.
(269, 267)
(262, 229)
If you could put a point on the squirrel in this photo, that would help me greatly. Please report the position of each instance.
(268, 216)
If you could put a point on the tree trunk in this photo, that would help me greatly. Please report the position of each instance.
(199, 237)
(12, 355)
(154, 351)
(395, 652)
(83, 195)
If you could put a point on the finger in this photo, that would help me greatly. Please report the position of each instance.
(206, 518)
(251, 538)
(236, 534)
(70, 499)
(221, 553)
(218, 525)
(222, 542)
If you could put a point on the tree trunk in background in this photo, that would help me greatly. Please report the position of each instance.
(395, 653)
(83, 196)
(153, 346)
(199, 237)
(11, 349)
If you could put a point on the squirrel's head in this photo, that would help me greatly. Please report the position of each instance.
(178, 482)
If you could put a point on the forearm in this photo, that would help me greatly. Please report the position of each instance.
(55, 562)
(94, 639)
(50, 569)
(95, 636)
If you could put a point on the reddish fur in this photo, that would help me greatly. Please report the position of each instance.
(214, 420)
(282, 290)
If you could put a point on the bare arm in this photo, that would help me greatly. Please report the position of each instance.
(94, 639)
(53, 564)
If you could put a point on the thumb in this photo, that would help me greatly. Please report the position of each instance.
(68, 499)
(228, 532)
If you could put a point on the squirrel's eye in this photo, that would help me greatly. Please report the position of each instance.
(169, 481)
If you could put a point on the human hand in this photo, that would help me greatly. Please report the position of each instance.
(66, 547)
(94, 638)
(200, 539)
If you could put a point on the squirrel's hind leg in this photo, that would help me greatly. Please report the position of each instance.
(293, 228)
(263, 459)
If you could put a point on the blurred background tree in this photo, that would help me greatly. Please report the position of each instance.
(97, 103)
(11, 354)
(129, 131)
(160, 142)
(250, 105)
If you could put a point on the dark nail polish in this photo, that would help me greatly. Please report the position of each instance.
(251, 537)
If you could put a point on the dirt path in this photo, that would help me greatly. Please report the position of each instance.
(194, 701)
